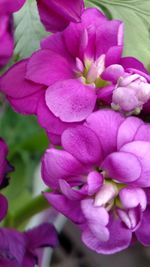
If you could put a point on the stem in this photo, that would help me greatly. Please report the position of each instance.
(33, 207)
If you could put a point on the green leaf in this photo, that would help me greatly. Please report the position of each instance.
(28, 30)
(136, 16)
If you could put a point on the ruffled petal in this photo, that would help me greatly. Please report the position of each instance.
(120, 238)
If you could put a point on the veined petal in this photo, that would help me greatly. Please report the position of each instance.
(83, 144)
(70, 100)
(143, 232)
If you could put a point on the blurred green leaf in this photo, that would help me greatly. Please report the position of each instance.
(28, 30)
(136, 15)
(27, 142)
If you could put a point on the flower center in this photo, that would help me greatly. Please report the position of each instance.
(90, 71)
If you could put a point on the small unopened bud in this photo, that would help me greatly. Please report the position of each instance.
(130, 94)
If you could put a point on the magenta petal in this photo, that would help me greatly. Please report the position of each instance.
(56, 15)
(108, 34)
(143, 232)
(3, 207)
(3, 161)
(105, 94)
(8, 7)
(124, 167)
(83, 144)
(70, 208)
(58, 164)
(131, 62)
(141, 150)
(70, 100)
(113, 73)
(70, 193)
(46, 67)
(143, 133)
(113, 55)
(12, 245)
(28, 104)
(132, 197)
(48, 120)
(131, 218)
(55, 43)
(127, 131)
(20, 87)
(120, 238)
(41, 236)
(94, 181)
(105, 123)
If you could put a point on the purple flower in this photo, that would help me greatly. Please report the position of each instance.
(101, 180)
(7, 7)
(60, 82)
(5, 168)
(56, 14)
(20, 249)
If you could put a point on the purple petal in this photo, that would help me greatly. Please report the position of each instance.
(28, 104)
(94, 182)
(143, 133)
(70, 193)
(20, 87)
(83, 144)
(131, 62)
(56, 16)
(8, 7)
(3, 207)
(127, 130)
(70, 208)
(43, 235)
(93, 16)
(120, 238)
(58, 164)
(105, 123)
(56, 44)
(132, 197)
(131, 218)
(113, 73)
(108, 34)
(105, 94)
(46, 67)
(70, 100)
(124, 167)
(49, 121)
(12, 245)
(141, 150)
(3, 162)
(143, 232)
(113, 55)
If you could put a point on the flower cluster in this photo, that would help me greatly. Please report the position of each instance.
(83, 92)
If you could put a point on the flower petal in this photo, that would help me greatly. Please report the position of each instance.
(83, 144)
(43, 235)
(120, 238)
(70, 100)
(58, 164)
(3, 207)
(70, 208)
(141, 150)
(46, 67)
(105, 123)
(131, 62)
(113, 73)
(56, 16)
(143, 232)
(127, 130)
(20, 87)
(124, 167)
(143, 133)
